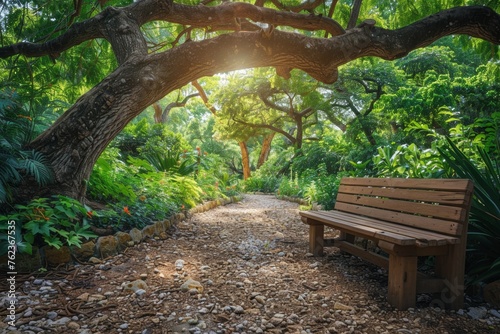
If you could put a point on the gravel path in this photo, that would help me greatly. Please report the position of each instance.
(241, 268)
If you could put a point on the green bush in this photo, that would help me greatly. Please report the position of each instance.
(265, 184)
(324, 190)
(314, 155)
(289, 186)
(145, 138)
(55, 221)
(111, 179)
(408, 161)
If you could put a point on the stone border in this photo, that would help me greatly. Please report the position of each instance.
(106, 246)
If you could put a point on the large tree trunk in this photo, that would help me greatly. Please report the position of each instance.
(245, 160)
(75, 141)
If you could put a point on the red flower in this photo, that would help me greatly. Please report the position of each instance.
(126, 210)
(90, 214)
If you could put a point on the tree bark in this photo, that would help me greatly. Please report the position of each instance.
(245, 160)
(266, 149)
(75, 141)
(356, 7)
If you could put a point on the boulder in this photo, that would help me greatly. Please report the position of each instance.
(123, 240)
(492, 293)
(136, 235)
(107, 246)
(54, 256)
(148, 231)
(84, 252)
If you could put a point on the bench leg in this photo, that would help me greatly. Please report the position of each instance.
(402, 289)
(451, 269)
(316, 239)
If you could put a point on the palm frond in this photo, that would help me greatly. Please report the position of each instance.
(36, 165)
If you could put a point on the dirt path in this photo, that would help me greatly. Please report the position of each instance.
(250, 273)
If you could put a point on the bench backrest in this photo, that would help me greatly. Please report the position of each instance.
(439, 205)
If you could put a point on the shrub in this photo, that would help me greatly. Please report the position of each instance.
(265, 184)
(55, 221)
(324, 190)
(111, 179)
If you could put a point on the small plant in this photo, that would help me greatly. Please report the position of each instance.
(55, 221)
(290, 186)
(172, 162)
(311, 193)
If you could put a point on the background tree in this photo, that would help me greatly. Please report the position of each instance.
(353, 98)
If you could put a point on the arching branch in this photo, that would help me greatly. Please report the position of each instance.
(217, 17)
(162, 116)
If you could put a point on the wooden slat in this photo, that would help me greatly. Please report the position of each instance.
(367, 232)
(431, 224)
(454, 198)
(423, 209)
(437, 184)
(423, 236)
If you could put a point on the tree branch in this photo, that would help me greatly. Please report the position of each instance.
(218, 17)
(267, 126)
(162, 116)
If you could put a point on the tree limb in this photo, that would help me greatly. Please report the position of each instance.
(267, 126)
(217, 17)
(177, 104)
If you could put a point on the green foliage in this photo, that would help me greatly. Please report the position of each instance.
(16, 163)
(139, 213)
(185, 190)
(55, 222)
(143, 138)
(110, 179)
(262, 183)
(484, 226)
(314, 155)
(407, 161)
(323, 190)
(171, 163)
(139, 192)
(289, 186)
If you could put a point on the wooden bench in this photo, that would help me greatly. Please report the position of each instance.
(405, 218)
